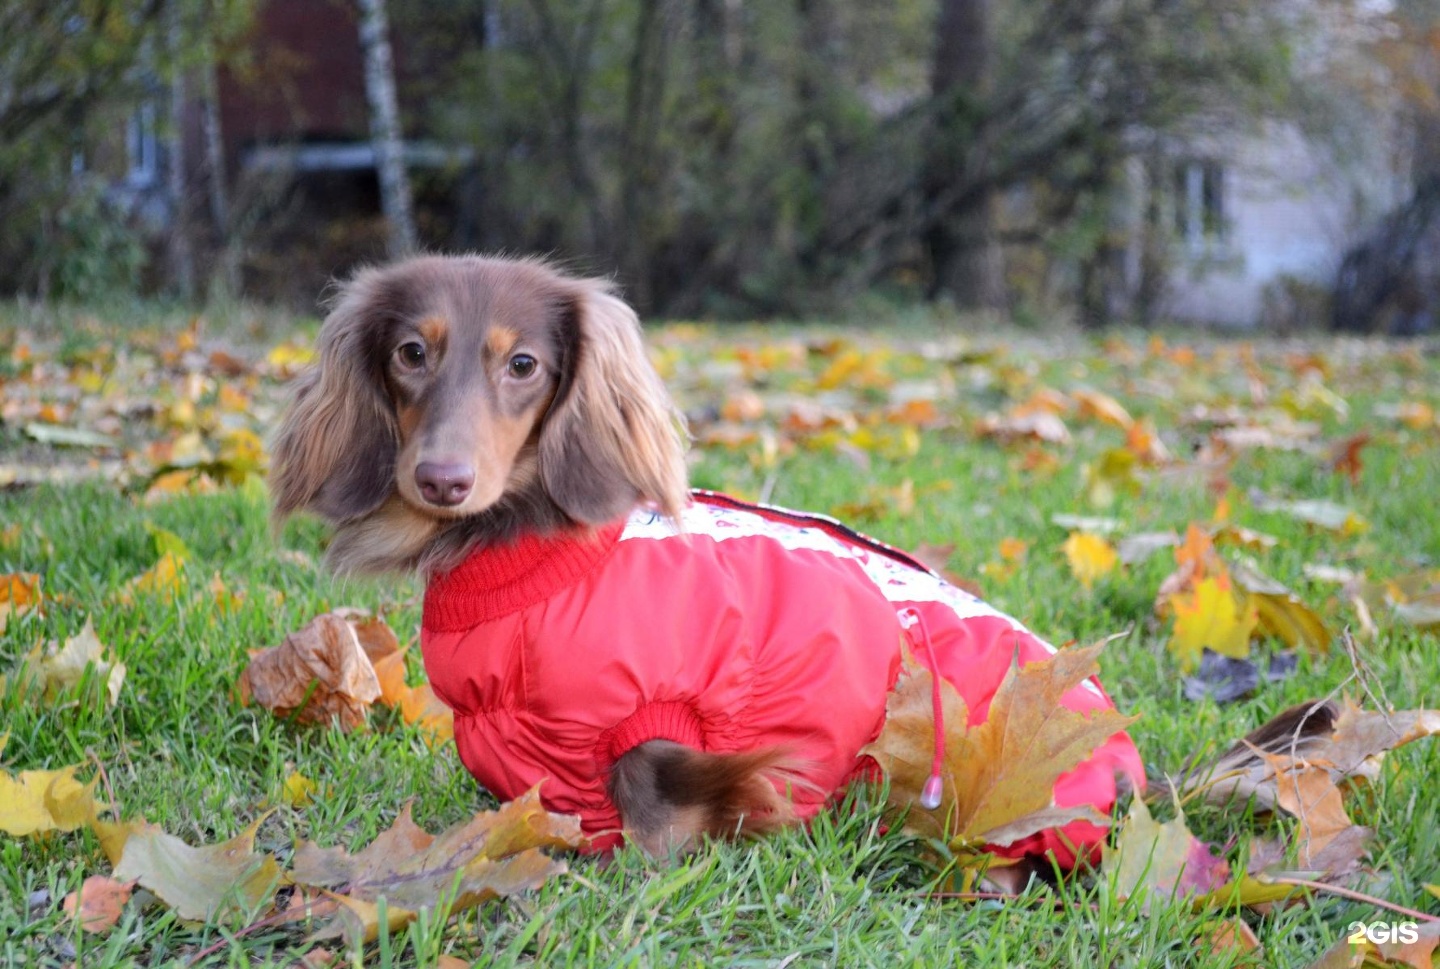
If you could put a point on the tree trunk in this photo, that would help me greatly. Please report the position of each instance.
(638, 140)
(227, 273)
(964, 247)
(1154, 243)
(182, 250)
(385, 131)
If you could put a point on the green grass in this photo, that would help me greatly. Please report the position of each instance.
(180, 750)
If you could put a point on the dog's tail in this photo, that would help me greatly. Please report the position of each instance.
(670, 795)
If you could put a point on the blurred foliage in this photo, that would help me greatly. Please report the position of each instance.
(73, 73)
(724, 157)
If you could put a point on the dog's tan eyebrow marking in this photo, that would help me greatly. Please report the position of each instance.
(500, 340)
(433, 329)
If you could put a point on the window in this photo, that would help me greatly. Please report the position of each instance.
(143, 147)
(1200, 201)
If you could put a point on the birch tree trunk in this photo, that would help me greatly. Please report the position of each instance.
(385, 130)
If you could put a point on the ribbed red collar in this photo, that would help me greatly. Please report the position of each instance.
(498, 580)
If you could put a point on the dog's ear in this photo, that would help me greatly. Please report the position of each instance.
(612, 437)
(334, 453)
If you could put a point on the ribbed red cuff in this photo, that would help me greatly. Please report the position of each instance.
(671, 720)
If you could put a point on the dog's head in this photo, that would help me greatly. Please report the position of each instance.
(458, 385)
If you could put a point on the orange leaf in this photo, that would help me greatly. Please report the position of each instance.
(98, 903)
(19, 594)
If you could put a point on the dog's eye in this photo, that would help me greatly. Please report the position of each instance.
(411, 356)
(522, 365)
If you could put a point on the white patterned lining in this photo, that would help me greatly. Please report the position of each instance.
(896, 581)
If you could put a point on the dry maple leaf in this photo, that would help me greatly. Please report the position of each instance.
(1306, 791)
(318, 673)
(1349, 742)
(1161, 861)
(98, 903)
(999, 775)
(495, 853)
(199, 883)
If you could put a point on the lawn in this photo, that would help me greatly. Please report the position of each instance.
(924, 436)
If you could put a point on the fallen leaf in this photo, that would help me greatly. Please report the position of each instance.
(358, 921)
(1223, 679)
(1094, 405)
(1134, 549)
(1109, 476)
(98, 903)
(201, 883)
(1306, 791)
(1210, 617)
(298, 790)
(1319, 513)
(1345, 456)
(163, 579)
(1090, 557)
(54, 668)
(38, 801)
(19, 594)
(1036, 425)
(999, 775)
(56, 435)
(1281, 612)
(1231, 935)
(1087, 523)
(1348, 741)
(1160, 862)
(167, 542)
(423, 709)
(317, 674)
(495, 853)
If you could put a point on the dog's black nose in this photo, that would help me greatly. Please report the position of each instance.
(444, 483)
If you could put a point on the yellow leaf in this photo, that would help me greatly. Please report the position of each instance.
(1111, 475)
(1090, 556)
(1211, 617)
(37, 801)
(290, 358)
(298, 790)
(163, 579)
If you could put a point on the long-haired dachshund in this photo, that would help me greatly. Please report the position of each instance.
(670, 664)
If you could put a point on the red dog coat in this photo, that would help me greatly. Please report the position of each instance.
(755, 627)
